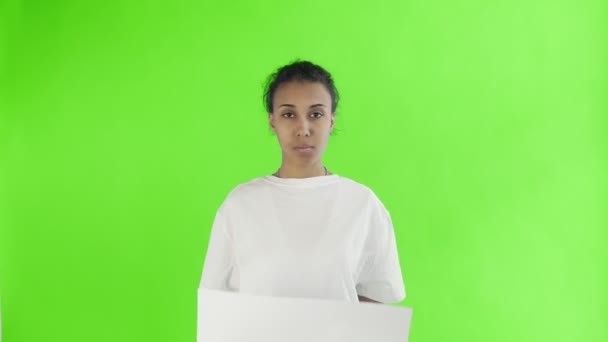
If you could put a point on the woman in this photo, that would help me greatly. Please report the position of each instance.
(304, 231)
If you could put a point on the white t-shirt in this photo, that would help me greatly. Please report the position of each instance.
(324, 237)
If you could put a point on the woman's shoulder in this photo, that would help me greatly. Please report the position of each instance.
(244, 190)
(346, 186)
(358, 188)
(246, 187)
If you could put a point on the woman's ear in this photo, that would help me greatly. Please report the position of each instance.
(271, 121)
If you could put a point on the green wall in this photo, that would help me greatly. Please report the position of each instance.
(482, 126)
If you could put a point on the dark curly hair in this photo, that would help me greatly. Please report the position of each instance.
(299, 70)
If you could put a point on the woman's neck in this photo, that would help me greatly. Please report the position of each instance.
(302, 171)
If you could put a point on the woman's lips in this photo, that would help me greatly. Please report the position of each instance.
(303, 148)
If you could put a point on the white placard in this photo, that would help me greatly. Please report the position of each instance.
(235, 317)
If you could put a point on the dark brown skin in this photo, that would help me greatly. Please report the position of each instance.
(365, 299)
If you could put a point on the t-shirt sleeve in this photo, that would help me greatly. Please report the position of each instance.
(380, 276)
(220, 271)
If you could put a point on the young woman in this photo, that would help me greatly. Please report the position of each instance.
(304, 231)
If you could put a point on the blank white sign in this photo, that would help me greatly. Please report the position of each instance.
(236, 317)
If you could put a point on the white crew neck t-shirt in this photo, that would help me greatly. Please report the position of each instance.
(325, 237)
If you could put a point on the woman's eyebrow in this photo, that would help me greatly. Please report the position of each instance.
(290, 105)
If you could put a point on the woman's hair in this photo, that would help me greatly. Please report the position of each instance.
(299, 71)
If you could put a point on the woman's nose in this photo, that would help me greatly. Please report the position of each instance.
(303, 128)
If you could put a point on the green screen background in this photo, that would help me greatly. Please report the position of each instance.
(480, 125)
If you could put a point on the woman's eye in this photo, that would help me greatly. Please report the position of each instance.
(286, 115)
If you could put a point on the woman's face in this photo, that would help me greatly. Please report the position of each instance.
(302, 116)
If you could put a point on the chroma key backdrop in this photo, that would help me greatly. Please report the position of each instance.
(481, 125)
